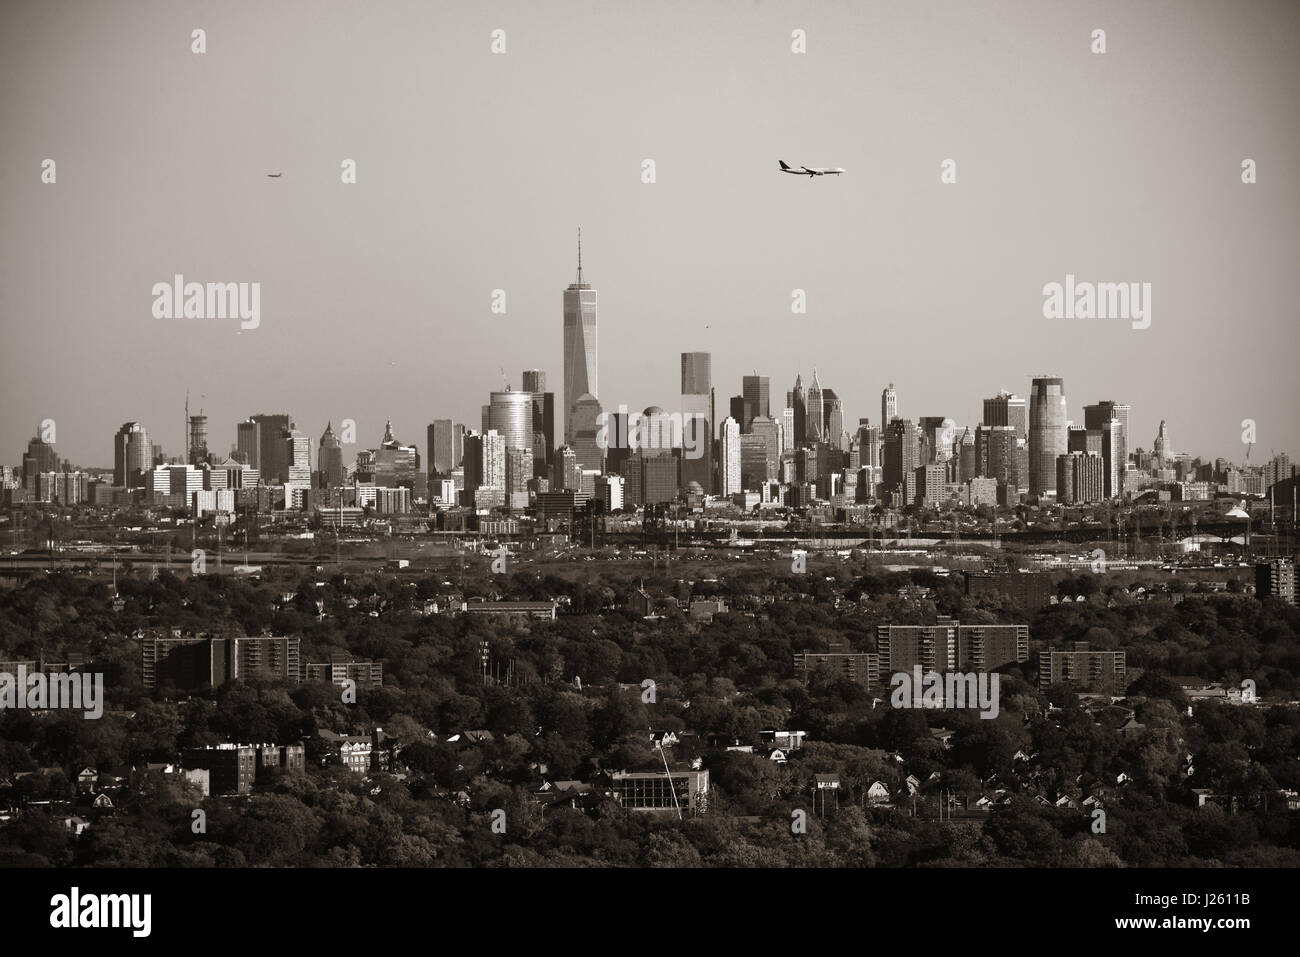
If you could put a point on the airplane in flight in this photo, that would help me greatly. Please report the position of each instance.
(809, 171)
(274, 175)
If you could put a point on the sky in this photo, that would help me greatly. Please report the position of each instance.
(474, 170)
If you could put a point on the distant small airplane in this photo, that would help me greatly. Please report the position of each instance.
(275, 175)
(810, 171)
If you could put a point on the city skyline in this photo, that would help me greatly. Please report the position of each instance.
(514, 396)
(390, 281)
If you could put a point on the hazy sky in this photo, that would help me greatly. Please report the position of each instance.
(475, 169)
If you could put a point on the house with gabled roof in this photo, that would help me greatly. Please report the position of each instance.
(878, 794)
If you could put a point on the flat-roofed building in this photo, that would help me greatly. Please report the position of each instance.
(860, 667)
(949, 645)
(1030, 589)
(365, 673)
(232, 768)
(1099, 671)
(190, 663)
(520, 609)
(662, 791)
(1276, 578)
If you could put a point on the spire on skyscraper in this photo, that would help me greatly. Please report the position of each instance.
(579, 255)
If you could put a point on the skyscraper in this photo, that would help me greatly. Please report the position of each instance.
(493, 469)
(753, 459)
(39, 459)
(543, 419)
(966, 457)
(132, 455)
(1080, 439)
(1007, 408)
(742, 410)
(511, 414)
(729, 457)
(297, 457)
(770, 432)
(440, 447)
(799, 403)
(198, 446)
(519, 469)
(621, 433)
(901, 457)
(938, 433)
(697, 419)
(815, 421)
(697, 373)
(534, 380)
(1047, 433)
(996, 458)
(1113, 456)
(1080, 478)
(833, 412)
(1164, 451)
(248, 443)
(584, 420)
(868, 445)
(329, 459)
(272, 453)
(580, 368)
(755, 388)
(888, 406)
(395, 464)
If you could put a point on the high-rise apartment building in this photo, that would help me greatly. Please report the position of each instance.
(493, 450)
(1090, 671)
(948, 645)
(1276, 579)
(1080, 478)
(729, 457)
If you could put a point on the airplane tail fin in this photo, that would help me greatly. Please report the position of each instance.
(783, 166)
